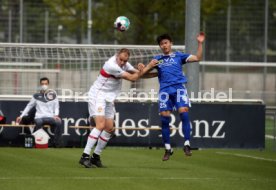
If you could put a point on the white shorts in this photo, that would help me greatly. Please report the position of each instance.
(100, 107)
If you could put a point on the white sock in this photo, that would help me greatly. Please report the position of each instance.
(187, 143)
(102, 142)
(167, 146)
(91, 140)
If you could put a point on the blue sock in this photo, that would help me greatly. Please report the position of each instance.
(186, 129)
(166, 129)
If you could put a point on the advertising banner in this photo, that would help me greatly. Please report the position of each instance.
(214, 125)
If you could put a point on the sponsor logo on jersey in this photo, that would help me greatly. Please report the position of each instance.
(166, 61)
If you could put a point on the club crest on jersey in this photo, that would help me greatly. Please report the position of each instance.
(172, 55)
(100, 109)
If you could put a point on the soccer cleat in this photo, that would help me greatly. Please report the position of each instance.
(187, 150)
(96, 161)
(85, 161)
(82, 159)
(167, 154)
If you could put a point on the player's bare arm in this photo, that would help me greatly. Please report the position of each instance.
(146, 70)
(131, 76)
(133, 71)
(149, 74)
(198, 56)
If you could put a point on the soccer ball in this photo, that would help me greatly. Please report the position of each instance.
(122, 23)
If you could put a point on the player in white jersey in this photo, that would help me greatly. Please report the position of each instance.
(101, 104)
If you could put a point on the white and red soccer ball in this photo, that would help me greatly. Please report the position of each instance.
(122, 23)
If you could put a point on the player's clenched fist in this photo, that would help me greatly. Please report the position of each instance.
(141, 66)
(200, 37)
(153, 63)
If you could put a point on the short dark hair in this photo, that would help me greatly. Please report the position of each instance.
(163, 37)
(44, 78)
(124, 50)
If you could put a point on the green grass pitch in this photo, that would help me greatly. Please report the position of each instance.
(141, 168)
(137, 168)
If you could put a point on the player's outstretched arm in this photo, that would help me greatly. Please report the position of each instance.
(131, 76)
(141, 71)
(198, 56)
(148, 74)
(146, 69)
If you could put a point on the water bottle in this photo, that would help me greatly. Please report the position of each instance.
(26, 142)
(31, 142)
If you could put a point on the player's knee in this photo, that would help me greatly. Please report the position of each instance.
(111, 130)
(109, 127)
(165, 113)
(183, 109)
(100, 127)
(38, 122)
(100, 124)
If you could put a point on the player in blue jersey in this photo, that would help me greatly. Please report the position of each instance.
(173, 93)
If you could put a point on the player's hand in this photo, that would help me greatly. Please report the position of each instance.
(153, 63)
(18, 120)
(200, 37)
(141, 66)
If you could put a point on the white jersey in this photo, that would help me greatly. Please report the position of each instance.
(108, 84)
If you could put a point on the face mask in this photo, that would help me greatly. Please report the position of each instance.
(43, 87)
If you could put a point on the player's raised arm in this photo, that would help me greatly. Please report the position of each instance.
(198, 56)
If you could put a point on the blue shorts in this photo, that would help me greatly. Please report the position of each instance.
(173, 97)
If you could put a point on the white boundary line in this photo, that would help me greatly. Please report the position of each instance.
(246, 156)
(107, 178)
(125, 178)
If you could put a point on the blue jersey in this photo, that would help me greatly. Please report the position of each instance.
(170, 69)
